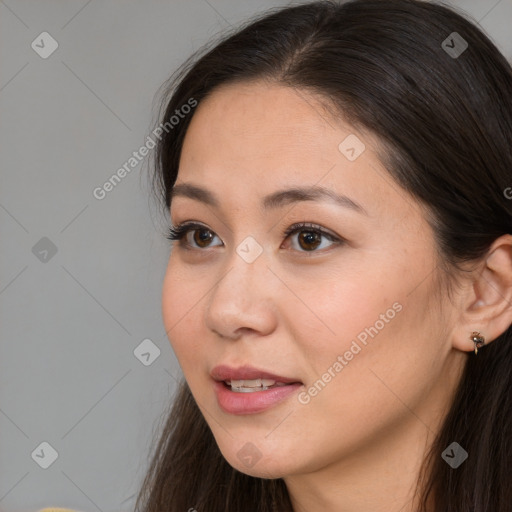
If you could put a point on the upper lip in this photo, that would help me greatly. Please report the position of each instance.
(224, 372)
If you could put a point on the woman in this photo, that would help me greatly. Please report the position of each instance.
(338, 293)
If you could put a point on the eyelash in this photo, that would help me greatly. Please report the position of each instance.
(178, 232)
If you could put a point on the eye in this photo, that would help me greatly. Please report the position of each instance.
(182, 230)
(309, 235)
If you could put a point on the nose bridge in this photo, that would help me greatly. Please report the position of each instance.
(240, 299)
(246, 269)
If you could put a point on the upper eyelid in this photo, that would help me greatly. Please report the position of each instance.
(190, 226)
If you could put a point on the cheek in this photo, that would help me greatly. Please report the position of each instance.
(367, 333)
(372, 305)
(382, 357)
(181, 304)
(341, 315)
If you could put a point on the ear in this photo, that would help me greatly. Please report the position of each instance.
(487, 302)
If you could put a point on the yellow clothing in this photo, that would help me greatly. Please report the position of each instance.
(54, 509)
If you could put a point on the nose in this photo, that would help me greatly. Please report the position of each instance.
(243, 300)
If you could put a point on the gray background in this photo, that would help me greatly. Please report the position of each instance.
(70, 322)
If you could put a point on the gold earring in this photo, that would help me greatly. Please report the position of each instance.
(478, 340)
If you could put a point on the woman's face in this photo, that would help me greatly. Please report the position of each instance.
(350, 318)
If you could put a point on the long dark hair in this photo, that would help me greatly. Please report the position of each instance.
(444, 115)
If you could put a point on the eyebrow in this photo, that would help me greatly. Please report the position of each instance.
(272, 201)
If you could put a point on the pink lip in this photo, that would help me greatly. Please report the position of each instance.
(249, 403)
(223, 372)
(253, 402)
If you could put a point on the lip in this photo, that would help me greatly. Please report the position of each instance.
(253, 402)
(224, 372)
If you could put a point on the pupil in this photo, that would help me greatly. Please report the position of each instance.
(310, 235)
(202, 238)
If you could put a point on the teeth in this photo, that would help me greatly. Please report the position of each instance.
(248, 386)
(256, 383)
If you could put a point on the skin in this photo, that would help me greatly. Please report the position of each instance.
(358, 444)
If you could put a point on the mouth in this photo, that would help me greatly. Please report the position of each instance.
(246, 379)
(248, 390)
(250, 386)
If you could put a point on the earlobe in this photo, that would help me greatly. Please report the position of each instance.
(487, 313)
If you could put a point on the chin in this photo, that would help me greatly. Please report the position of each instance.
(260, 466)
(260, 470)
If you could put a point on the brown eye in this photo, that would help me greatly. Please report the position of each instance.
(310, 236)
(202, 236)
(309, 239)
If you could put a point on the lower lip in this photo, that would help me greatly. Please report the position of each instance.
(233, 402)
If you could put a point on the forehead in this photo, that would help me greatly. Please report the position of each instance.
(259, 138)
(256, 118)
(261, 130)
